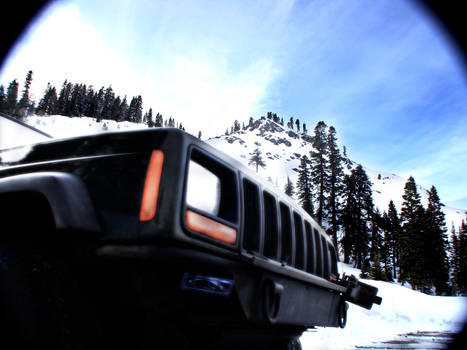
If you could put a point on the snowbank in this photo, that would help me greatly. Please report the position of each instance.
(60, 126)
(402, 310)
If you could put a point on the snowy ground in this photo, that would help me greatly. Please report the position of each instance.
(402, 310)
(60, 126)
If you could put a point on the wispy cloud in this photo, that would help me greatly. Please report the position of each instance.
(379, 71)
(194, 64)
(65, 46)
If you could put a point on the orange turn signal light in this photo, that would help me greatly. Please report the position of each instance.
(151, 187)
(209, 227)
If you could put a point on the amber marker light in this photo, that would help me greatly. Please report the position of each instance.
(151, 187)
(211, 228)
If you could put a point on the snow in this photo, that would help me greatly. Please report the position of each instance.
(13, 134)
(60, 126)
(402, 310)
(390, 186)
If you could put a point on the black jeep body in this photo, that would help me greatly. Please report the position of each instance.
(137, 262)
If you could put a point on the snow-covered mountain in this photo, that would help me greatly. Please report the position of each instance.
(282, 148)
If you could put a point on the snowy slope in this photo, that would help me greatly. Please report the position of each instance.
(402, 310)
(390, 186)
(60, 126)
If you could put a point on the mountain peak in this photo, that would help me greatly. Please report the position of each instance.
(282, 148)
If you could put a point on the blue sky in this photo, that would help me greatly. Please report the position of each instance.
(381, 72)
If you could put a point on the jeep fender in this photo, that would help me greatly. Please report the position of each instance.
(67, 195)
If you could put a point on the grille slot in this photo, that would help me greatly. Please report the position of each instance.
(311, 256)
(300, 247)
(252, 217)
(286, 230)
(271, 245)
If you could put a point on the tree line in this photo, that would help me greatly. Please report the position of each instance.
(292, 124)
(411, 246)
(77, 100)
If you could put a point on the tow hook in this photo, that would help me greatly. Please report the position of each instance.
(360, 293)
(342, 316)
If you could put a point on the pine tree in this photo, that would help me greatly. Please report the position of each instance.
(376, 272)
(124, 110)
(392, 236)
(348, 218)
(171, 122)
(436, 245)
(297, 124)
(364, 200)
(454, 260)
(82, 103)
(48, 102)
(304, 186)
(379, 250)
(461, 278)
(63, 98)
(376, 239)
(289, 188)
(139, 108)
(275, 118)
(12, 97)
(412, 236)
(99, 103)
(24, 102)
(345, 158)
(109, 98)
(319, 170)
(335, 185)
(386, 248)
(2, 99)
(90, 106)
(115, 111)
(236, 126)
(74, 107)
(52, 100)
(257, 159)
(159, 121)
(356, 216)
(150, 121)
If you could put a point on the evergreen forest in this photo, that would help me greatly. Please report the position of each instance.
(79, 100)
